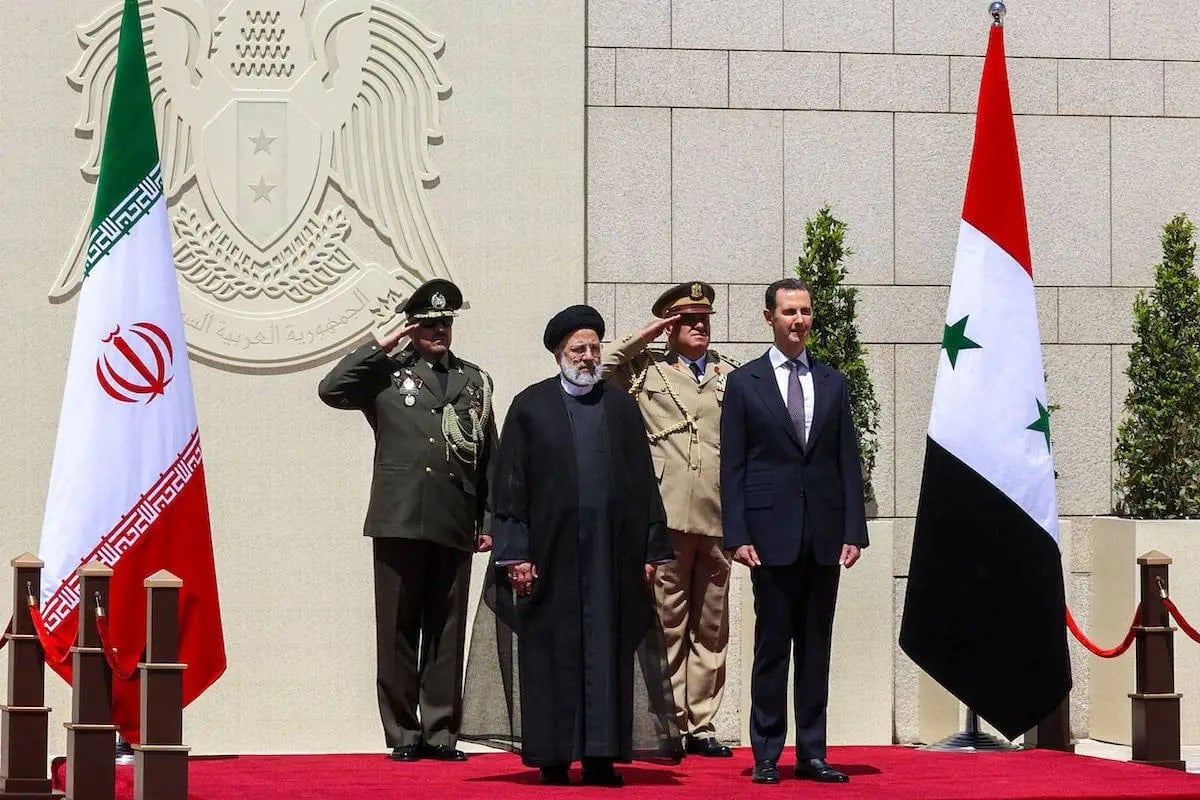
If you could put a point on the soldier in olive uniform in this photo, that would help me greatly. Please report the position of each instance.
(680, 392)
(431, 413)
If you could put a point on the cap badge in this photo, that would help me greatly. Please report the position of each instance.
(697, 291)
(438, 301)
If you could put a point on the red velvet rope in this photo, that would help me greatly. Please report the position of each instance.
(1112, 652)
(110, 652)
(39, 627)
(1184, 625)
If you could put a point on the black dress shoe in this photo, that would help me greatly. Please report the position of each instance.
(409, 752)
(555, 775)
(600, 772)
(818, 769)
(443, 752)
(765, 771)
(709, 747)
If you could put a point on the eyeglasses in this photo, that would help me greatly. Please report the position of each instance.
(446, 322)
(692, 320)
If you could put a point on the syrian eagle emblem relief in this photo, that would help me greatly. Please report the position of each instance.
(295, 144)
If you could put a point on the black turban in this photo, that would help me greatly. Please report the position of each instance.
(570, 320)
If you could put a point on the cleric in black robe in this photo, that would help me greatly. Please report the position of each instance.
(578, 530)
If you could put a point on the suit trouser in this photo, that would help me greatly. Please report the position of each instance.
(421, 593)
(692, 596)
(793, 607)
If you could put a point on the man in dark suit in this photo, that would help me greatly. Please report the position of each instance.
(791, 491)
(435, 434)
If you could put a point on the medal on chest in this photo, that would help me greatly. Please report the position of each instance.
(408, 384)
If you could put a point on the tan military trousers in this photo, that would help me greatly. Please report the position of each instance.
(692, 595)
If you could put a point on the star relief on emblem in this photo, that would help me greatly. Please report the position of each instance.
(272, 118)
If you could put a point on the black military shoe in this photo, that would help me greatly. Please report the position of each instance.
(765, 771)
(818, 769)
(708, 747)
(443, 752)
(409, 752)
(555, 775)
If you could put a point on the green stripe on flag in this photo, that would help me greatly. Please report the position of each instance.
(130, 154)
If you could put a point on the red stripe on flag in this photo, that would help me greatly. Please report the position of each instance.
(995, 201)
(180, 541)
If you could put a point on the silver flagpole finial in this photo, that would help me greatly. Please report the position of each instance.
(998, 10)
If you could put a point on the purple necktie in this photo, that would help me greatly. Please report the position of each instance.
(795, 400)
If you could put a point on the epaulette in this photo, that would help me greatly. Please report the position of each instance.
(733, 362)
(462, 362)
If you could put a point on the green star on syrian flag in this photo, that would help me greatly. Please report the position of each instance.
(954, 341)
(1042, 423)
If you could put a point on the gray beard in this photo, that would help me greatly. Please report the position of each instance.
(574, 375)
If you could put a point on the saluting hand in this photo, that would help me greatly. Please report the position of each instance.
(389, 340)
(655, 329)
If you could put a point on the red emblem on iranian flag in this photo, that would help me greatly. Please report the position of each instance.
(136, 366)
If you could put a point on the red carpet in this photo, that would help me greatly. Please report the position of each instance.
(878, 773)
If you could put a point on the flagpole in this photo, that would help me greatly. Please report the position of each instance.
(973, 739)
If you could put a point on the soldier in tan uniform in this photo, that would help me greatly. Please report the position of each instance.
(679, 392)
(431, 413)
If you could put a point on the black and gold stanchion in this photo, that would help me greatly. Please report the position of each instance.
(91, 736)
(25, 719)
(161, 759)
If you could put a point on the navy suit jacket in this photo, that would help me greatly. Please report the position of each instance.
(774, 494)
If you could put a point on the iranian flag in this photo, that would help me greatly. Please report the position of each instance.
(984, 612)
(127, 486)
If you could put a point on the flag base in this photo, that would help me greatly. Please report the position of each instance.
(972, 740)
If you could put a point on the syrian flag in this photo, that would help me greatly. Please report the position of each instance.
(984, 612)
(127, 485)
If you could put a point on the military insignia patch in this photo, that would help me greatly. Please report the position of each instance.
(438, 301)
(697, 291)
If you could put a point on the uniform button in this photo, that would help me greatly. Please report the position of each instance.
(431, 440)
(433, 411)
(429, 469)
(451, 476)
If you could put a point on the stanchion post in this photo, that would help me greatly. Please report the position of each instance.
(1054, 732)
(1155, 701)
(161, 759)
(25, 719)
(91, 736)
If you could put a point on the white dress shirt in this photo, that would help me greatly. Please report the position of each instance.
(783, 372)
